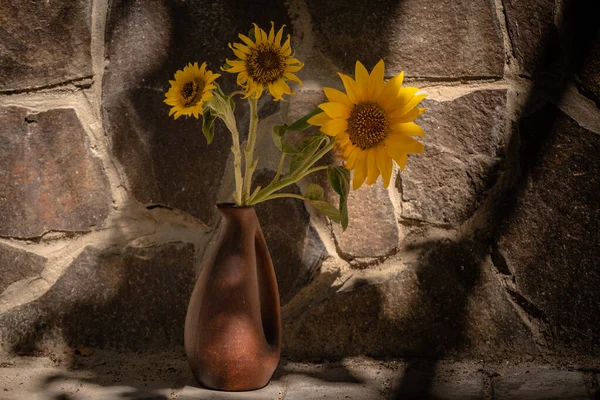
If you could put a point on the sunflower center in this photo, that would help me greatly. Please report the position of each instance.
(191, 92)
(368, 125)
(265, 64)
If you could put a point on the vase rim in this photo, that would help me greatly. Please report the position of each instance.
(232, 205)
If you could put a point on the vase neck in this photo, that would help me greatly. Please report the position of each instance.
(241, 215)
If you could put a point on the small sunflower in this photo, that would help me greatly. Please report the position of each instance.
(190, 89)
(263, 63)
(372, 123)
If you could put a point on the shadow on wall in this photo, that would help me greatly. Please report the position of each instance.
(525, 150)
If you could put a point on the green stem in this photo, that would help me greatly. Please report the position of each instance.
(229, 120)
(299, 174)
(249, 149)
(282, 195)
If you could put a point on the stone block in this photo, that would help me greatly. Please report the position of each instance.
(548, 240)
(447, 302)
(295, 247)
(17, 264)
(49, 177)
(166, 161)
(541, 385)
(441, 39)
(372, 229)
(128, 299)
(533, 36)
(464, 143)
(44, 43)
(194, 391)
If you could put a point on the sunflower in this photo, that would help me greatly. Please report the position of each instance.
(263, 63)
(372, 123)
(190, 89)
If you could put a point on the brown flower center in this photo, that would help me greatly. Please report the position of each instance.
(368, 125)
(265, 64)
(191, 92)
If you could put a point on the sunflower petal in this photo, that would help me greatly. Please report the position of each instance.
(407, 129)
(319, 119)
(403, 144)
(409, 116)
(360, 170)
(412, 103)
(334, 127)
(278, 36)
(405, 94)
(257, 35)
(271, 32)
(353, 157)
(390, 91)
(372, 169)
(385, 165)
(247, 40)
(292, 77)
(362, 81)
(338, 97)
(350, 87)
(335, 110)
(376, 80)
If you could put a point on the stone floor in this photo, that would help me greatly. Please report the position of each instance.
(87, 374)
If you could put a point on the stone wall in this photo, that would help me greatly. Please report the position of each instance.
(484, 247)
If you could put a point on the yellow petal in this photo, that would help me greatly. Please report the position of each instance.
(372, 170)
(412, 103)
(403, 144)
(247, 40)
(334, 127)
(407, 129)
(292, 60)
(338, 97)
(342, 139)
(408, 117)
(362, 80)
(385, 165)
(257, 35)
(376, 80)
(294, 68)
(237, 53)
(405, 94)
(272, 32)
(286, 46)
(278, 36)
(350, 87)
(292, 77)
(335, 110)
(390, 91)
(360, 170)
(241, 48)
(353, 157)
(319, 119)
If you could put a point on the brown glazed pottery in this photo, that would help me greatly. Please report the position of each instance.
(233, 322)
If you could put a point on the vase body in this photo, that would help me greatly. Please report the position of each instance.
(233, 322)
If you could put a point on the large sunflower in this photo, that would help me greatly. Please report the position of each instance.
(190, 89)
(372, 123)
(263, 63)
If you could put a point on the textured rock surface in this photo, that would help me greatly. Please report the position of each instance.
(49, 178)
(464, 142)
(589, 75)
(294, 245)
(445, 38)
(448, 302)
(17, 264)
(541, 384)
(372, 229)
(113, 298)
(532, 32)
(548, 242)
(44, 43)
(167, 161)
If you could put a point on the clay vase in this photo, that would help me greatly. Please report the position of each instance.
(233, 322)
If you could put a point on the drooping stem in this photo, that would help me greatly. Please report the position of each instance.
(229, 120)
(249, 150)
(266, 193)
(282, 195)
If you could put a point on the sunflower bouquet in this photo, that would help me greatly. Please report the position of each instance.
(368, 127)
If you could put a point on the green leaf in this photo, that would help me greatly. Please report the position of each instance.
(328, 209)
(277, 133)
(302, 124)
(231, 103)
(306, 149)
(339, 178)
(314, 192)
(208, 125)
